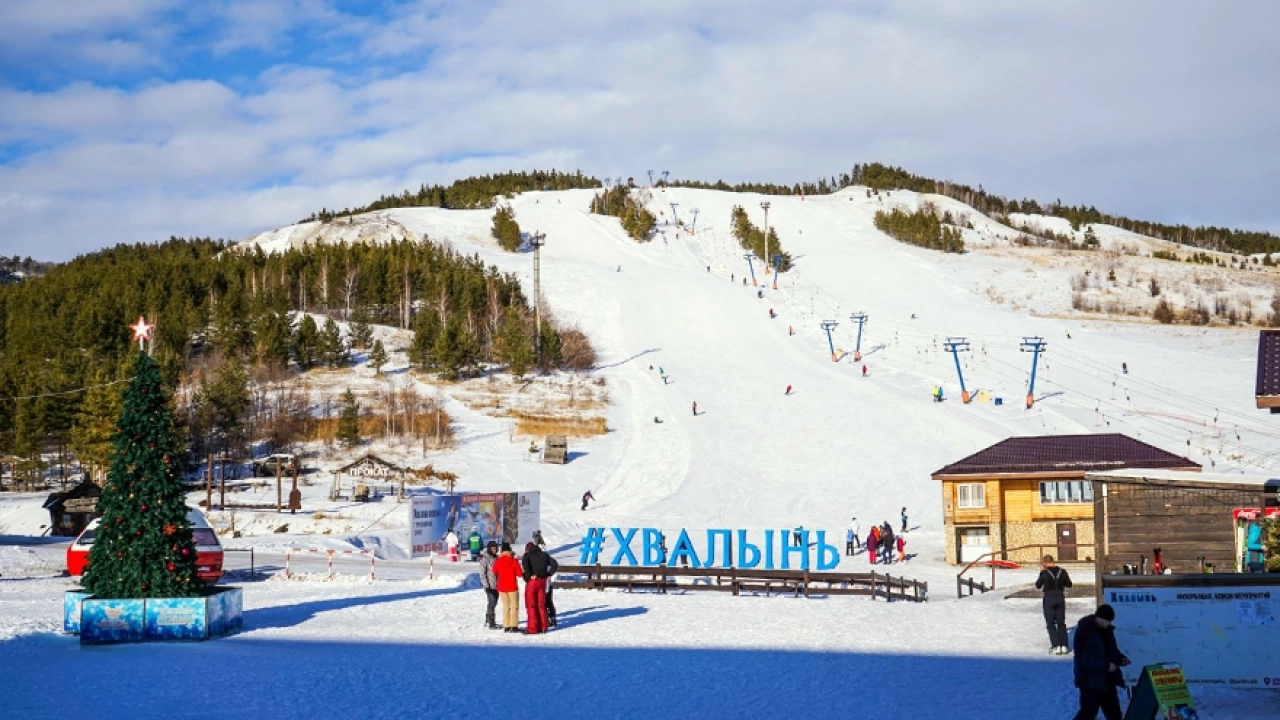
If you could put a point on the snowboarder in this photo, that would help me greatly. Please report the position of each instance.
(451, 541)
(695, 408)
(864, 371)
(474, 543)
(507, 571)
(1053, 581)
(902, 549)
(1097, 665)
(904, 519)
(538, 567)
(489, 582)
(788, 392)
(586, 497)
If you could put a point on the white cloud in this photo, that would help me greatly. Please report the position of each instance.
(1163, 110)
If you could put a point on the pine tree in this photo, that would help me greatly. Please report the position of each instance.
(505, 228)
(349, 420)
(144, 546)
(306, 343)
(361, 330)
(271, 339)
(549, 349)
(378, 357)
(515, 345)
(94, 425)
(333, 350)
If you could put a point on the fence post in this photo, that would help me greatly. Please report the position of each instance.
(873, 585)
(330, 554)
(287, 555)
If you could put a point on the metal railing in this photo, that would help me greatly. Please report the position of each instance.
(962, 582)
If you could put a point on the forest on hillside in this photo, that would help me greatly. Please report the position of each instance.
(221, 312)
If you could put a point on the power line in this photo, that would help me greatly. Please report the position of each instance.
(66, 392)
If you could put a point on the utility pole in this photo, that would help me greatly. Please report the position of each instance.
(765, 205)
(537, 239)
(1034, 345)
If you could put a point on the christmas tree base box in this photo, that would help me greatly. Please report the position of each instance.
(219, 612)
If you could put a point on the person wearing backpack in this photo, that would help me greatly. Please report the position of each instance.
(1053, 581)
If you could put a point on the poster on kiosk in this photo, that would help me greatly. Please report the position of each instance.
(502, 517)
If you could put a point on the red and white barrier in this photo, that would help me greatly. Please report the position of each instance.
(330, 553)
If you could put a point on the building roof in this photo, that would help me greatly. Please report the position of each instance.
(1267, 387)
(1194, 481)
(1064, 453)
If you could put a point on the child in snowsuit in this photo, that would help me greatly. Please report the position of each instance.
(902, 549)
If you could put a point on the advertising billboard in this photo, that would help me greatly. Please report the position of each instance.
(504, 517)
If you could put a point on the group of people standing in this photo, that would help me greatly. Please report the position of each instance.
(500, 575)
(880, 543)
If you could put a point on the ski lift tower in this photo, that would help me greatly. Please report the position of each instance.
(650, 178)
(695, 220)
(955, 346)
(830, 325)
(765, 204)
(665, 174)
(1034, 345)
(777, 264)
(537, 240)
(674, 220)
(861, 319)
(749, 257)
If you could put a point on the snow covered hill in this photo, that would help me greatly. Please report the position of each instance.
(842, 444)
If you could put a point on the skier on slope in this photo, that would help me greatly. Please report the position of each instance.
(788, 392)
(771, 315)
(864, 371)
(586, 497)
(695, 408)
(904, 519)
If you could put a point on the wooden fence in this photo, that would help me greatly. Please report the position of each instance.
(664, 579)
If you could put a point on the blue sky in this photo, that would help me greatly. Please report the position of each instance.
(134, 120)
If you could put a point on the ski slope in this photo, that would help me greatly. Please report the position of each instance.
(842, 444)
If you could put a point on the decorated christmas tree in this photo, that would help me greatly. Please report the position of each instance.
(143, 546)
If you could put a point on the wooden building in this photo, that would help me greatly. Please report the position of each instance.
(1193, 518)
(72, 511)
(1029, 491)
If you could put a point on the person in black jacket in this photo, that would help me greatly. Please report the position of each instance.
(1097, 665)
(538, 568)
(1053, 581)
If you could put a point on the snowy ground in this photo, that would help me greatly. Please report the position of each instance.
(842, 445)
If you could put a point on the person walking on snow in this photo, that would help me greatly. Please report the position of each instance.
(695, 408)
(1054, 581)
(1097, 665)
(904, 519)
(507, 571)
(489, 582)
(585, 497)
(474, 543)
(791, 330)
(771, 315)
(902, 549)
(873, 538)
(886, 542)
(854, 528)
(799, 535)
(848, 543)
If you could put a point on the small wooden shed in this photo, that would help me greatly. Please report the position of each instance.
(71, 511)
(556, 450)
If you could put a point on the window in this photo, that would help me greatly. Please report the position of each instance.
(970, 496)
(1065, 492)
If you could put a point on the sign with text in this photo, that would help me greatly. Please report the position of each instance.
(503, 517)
(1225, 634)
(772, 549)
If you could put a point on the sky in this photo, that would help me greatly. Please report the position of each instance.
(137, 120)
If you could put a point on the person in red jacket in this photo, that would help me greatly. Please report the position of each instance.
(507, 569)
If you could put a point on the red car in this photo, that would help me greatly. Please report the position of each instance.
(208, 549)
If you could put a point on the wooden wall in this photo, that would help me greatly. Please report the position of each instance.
(1185, 524)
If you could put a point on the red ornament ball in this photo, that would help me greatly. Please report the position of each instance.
(138, 533)
(119, 554)
(186, 551)
(172, 567)
(144, 508)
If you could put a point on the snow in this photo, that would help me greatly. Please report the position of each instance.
(841, 445)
